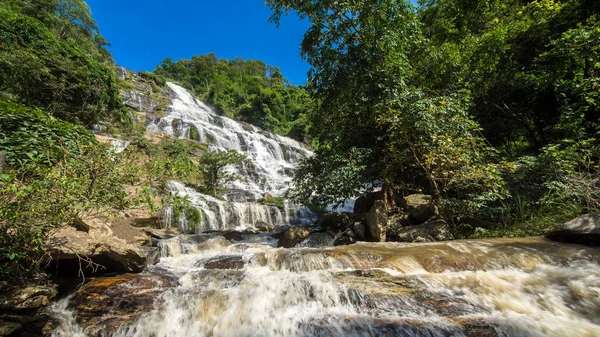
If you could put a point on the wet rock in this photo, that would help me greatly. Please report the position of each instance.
(377, 221)
(398, 221)
(233, 236)
(293, 236)
(364, 203)
(23, 309)
(163, 234)
(262, 226)
(347, 237)
(583, 230)
(107, 247)
(421, 207)
(139, 101)
(152, 255)
(235, 262)
(478, 328)
(432, 231)
(104, 304)
(334, 221)
(359, 229)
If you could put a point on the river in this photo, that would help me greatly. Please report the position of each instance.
(496, 287)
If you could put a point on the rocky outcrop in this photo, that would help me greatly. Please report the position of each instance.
(420, 207)
(223, 262)
(107, 245)
(334, 221)
(263, 226)
(583, 230)
(23, 310)
(105, 304)
(436, 230)
(376, 221)
(293, 236)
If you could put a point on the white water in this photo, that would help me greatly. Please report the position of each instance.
(273, 157)
(522, 287)
(269, 171)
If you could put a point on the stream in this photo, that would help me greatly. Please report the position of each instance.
(205, 285)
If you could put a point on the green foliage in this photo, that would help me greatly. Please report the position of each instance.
(52, 57)
(170, 159)
(249, 91)
(213, 167)
(279, 202)
(31, 135)
(332, 177)
(36, 198)
(182, 208)
(490, 106)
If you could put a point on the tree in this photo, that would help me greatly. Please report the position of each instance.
(413, 131)
(213, 165)
(67, 74)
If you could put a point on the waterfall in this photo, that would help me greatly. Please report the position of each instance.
(272, 160)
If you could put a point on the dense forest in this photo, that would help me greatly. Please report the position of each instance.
(490, 106)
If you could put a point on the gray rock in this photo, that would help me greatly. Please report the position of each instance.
(421, 207)
(23, 310)
(583, 230)
(334, 221)
(262, 226)
(224, 262)
(293, 236)
(436, 230)
(115, 246)
(138, 101)
(359, 230)
(377, 221)
(364, 203)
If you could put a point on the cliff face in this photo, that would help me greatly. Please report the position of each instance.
(145, 98)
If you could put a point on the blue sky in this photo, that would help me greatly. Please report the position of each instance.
(143, 33)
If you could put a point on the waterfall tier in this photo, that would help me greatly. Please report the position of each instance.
(272, 160)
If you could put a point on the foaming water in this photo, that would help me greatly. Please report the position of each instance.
(501, 287)
(272, 157)
(272, 160)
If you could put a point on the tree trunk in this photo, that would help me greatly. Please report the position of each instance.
(388, 197)
(214, 184)
(2, 162)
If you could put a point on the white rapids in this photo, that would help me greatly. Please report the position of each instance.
(501, 287)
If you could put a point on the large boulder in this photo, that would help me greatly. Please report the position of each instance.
(104, 304)
(398, 221)
(364, 203)
(107, 245)
(293, 236)
(583, 230)
(263, 226)
(23, 309)
(334, 221)
(436, 230)
(376, 221)
(223, 262)
(420, 207)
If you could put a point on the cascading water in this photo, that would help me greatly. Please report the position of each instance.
(502, 287)
(270, 169)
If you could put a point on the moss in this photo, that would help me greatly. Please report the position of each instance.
(194, 134)
(278, 202)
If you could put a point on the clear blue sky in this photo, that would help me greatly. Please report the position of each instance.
(143, 33)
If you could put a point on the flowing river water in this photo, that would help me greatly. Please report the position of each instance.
(497, 287)
(208, 286)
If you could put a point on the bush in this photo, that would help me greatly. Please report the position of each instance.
(31, 135)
